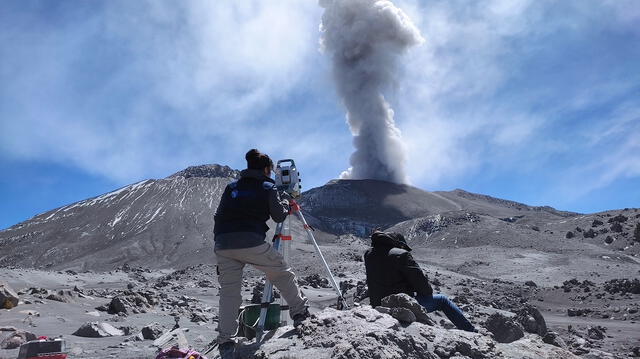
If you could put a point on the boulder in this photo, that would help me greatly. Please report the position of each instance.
(574, 312)
(622, 286)
(117, 305)
(616, 227)
(403, 300)
(57, 297)
(8, 297)
(504, 329)
(618, 219)
(152, 331)
(16, 339)
(97, 330)
(596, 333)
(531, 320)
(198, 317)
(314, 281)
(403, 315)
(554, 339)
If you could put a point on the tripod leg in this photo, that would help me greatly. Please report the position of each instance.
(285, 247)
(341, 300)
(267, 291)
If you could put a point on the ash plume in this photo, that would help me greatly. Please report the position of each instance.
(365, 39)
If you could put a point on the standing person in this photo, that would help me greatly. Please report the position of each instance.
(240, 230)
(391, 269)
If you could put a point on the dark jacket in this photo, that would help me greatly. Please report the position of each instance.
(245, 207)
(391, 269)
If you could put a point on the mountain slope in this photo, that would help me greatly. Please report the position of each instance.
(169, 222)
(157, 223)
(358, 206)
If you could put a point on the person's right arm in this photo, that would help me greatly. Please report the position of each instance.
(413, 274)
(278, 208)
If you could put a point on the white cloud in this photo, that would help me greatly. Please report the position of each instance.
(497, 84)
(473, 96)
(192, 81)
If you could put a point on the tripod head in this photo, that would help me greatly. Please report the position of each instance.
(288, 178)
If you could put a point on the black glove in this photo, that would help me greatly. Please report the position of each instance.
(285, 195)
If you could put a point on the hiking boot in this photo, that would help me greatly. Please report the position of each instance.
(227, 350)
(300, 317)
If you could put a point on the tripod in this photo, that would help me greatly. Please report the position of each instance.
(282, 243)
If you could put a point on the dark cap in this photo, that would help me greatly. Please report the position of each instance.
(257, 160)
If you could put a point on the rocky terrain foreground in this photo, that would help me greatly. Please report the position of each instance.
(112, 273)
(119, 314)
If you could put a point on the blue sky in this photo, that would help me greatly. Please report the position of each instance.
(530, 100)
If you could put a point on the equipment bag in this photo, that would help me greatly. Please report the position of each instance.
(177, 353)
(249, 316)
(43, 348)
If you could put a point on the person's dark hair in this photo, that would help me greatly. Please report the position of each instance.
(257, 160)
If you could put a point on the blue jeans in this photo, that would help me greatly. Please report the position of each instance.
(442, 303)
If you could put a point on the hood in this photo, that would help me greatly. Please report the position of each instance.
(389, 239)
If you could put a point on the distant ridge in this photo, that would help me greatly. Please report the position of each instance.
(508, 203)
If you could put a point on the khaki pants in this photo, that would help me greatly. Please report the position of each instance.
(265, 258)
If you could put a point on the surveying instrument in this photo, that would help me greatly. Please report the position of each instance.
(288, 181)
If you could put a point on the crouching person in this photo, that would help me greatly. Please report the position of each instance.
(240, 230)
(391, 270)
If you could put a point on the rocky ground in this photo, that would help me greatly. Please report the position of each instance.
(120, 313)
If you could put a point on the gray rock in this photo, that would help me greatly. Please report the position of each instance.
(57, 297)
(598, 354)
(532, 320)
(504, 329)
(616, 227)
(403, 315)
(383, 310)
(554, 339)
(152, 331)
(8, 297)
(596, 333)
(97, 330)
(314, 281)
(16, 339)
(198, 317)
(135, 338)
(117, 305)
(406, 301)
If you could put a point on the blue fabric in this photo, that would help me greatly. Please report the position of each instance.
(442, 303)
